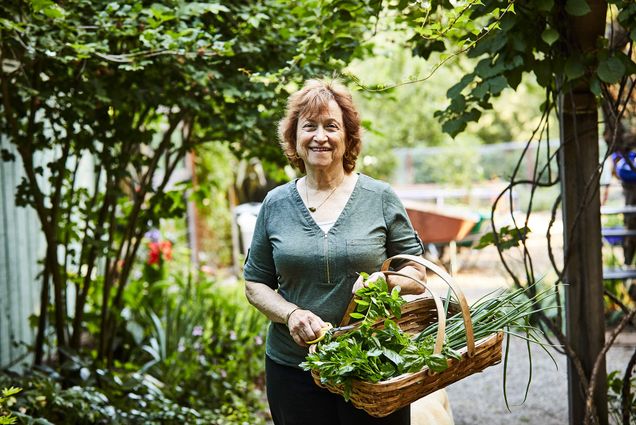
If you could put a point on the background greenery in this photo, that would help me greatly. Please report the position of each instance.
(132, 91)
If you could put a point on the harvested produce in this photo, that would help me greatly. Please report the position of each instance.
(377, 349)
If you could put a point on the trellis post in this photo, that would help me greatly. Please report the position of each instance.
(583, 274)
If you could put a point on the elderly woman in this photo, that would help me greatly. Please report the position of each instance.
(313, 236)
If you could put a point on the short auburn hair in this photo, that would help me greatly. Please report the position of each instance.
(311, 100)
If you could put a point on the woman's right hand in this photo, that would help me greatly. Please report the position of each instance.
(304, 326)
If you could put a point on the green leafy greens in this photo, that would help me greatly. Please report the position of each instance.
(371, 352)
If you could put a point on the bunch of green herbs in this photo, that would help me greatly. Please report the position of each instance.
(370, 353)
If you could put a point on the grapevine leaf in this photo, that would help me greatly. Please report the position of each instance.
(497, 84)
(454, 126)
(595, 86)
(550, 36)
(577, 7)
(507, 237)
(611, 70)
(514, 78)
(455, 91)
(543, 71)
(574, 68)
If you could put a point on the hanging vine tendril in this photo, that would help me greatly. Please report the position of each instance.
(538, 38)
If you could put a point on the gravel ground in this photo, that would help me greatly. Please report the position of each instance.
(478, 399)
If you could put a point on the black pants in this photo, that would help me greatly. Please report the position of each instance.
(294, 399)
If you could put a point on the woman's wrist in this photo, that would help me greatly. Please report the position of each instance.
(290, 313)
(393, 281)
(408, 285)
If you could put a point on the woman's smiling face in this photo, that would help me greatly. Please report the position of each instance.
(320, 139)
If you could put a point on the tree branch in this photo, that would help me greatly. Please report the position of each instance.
(600, 359)
(626, 399)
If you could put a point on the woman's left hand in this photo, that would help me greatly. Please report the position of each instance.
(361, 283)
(407, 286)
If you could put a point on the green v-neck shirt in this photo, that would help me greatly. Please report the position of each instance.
(317, 270)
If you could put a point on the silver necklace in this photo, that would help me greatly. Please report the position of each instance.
(314, 209)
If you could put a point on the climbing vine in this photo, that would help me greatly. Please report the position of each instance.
(555, 42)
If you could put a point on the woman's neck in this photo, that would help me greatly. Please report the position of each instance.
(325, 179)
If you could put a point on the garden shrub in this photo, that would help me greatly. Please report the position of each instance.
(206, 341)
(195, 356)
(6, 400)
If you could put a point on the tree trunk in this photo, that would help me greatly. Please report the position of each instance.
(583, 275)
(42, 319)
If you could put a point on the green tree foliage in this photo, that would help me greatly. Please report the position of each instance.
(404, 114)
(126, 89)
(510, 39)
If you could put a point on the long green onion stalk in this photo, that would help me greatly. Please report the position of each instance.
(506, 311)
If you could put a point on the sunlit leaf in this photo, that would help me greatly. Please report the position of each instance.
(393, 356)
(550, 36)
(506, 238)
(48, 8)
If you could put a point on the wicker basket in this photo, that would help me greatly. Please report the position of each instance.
(385, 397)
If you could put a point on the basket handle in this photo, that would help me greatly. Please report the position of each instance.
(441, 313)
(468, 324)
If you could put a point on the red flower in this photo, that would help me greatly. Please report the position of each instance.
(154, 253)
(166, 250)
(158, 251)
